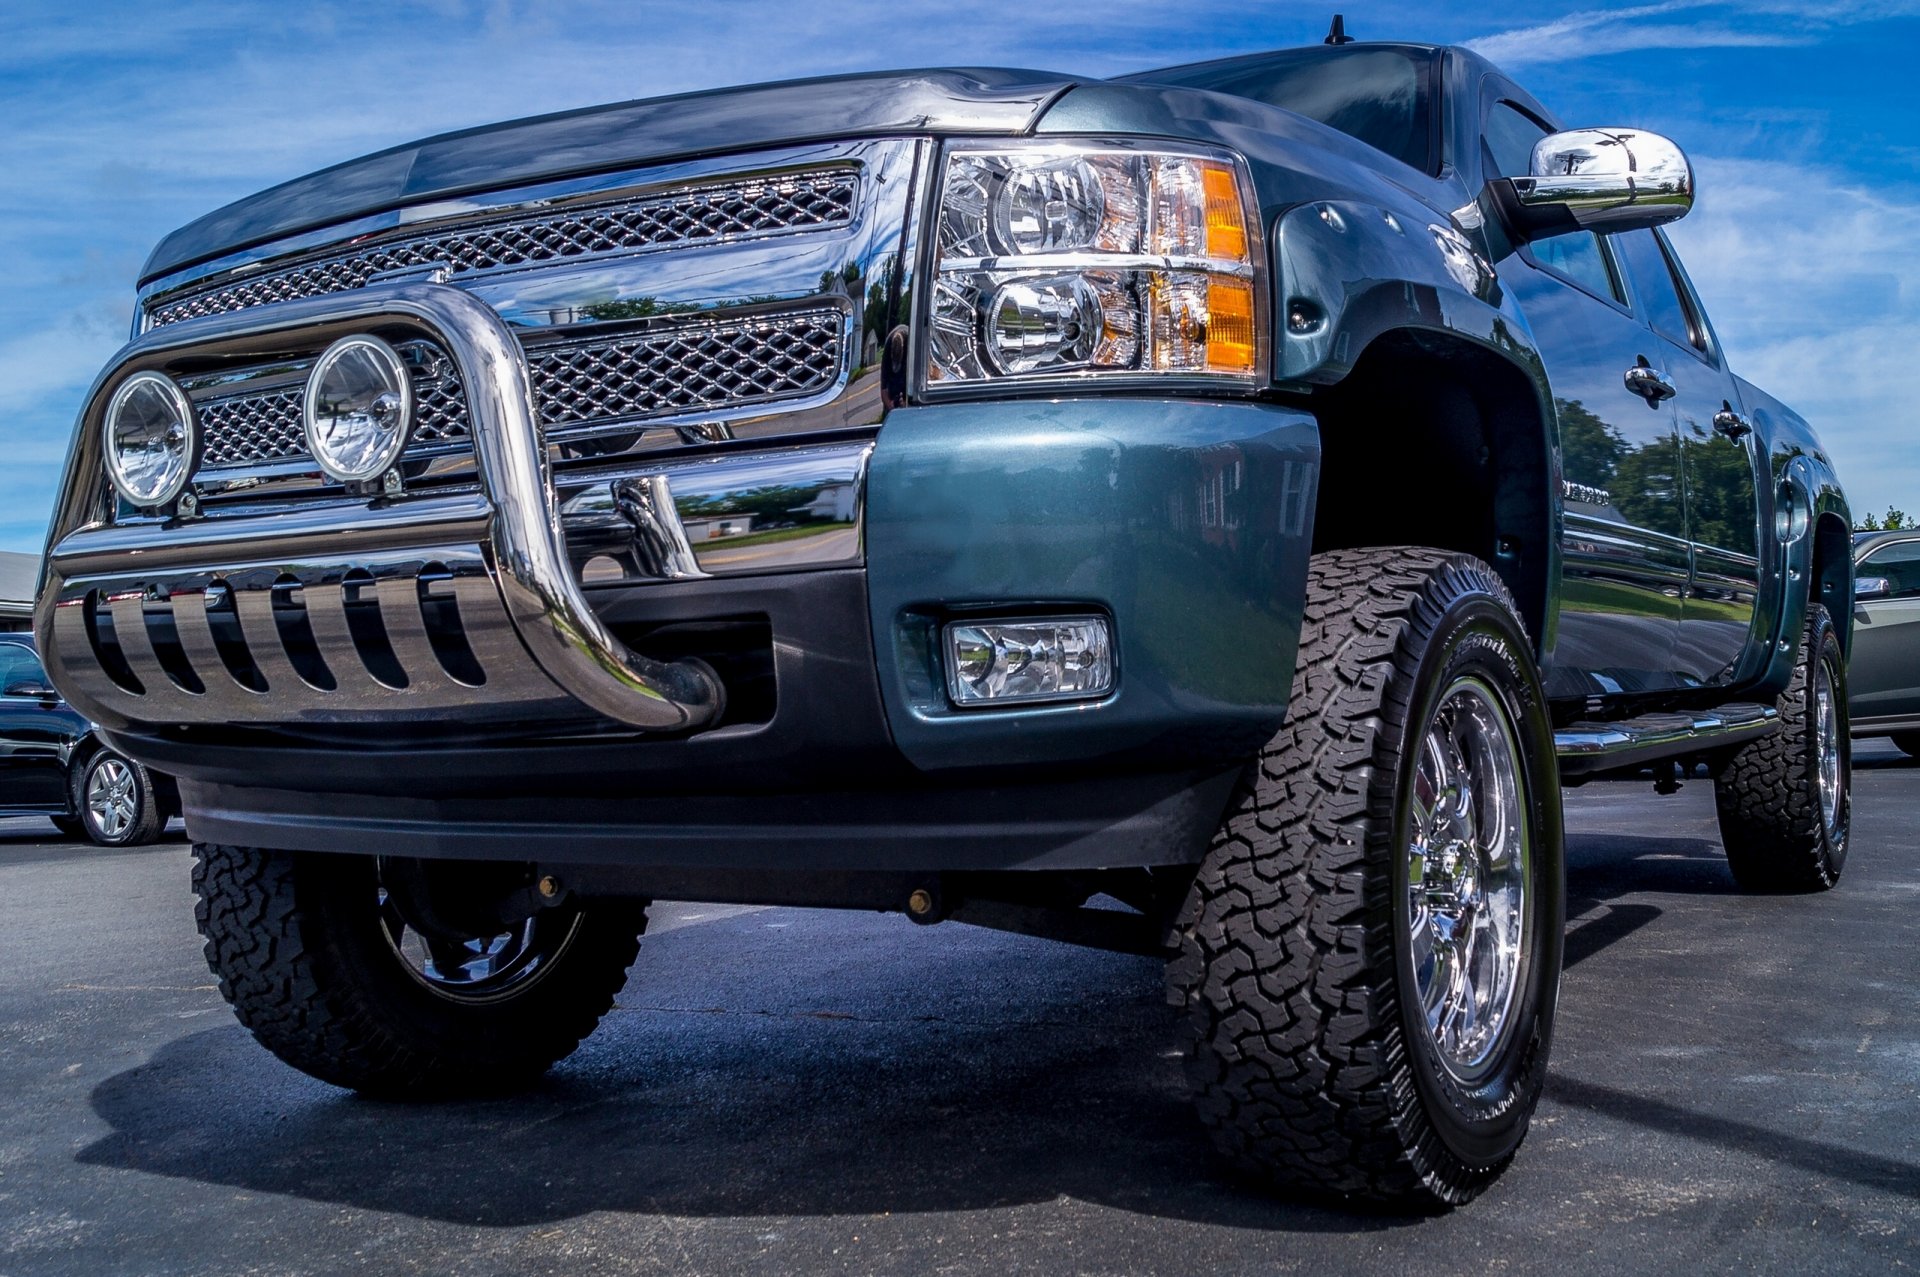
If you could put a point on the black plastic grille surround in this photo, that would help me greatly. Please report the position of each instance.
(809, 200)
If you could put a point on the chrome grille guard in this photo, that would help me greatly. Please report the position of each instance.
(525, 630)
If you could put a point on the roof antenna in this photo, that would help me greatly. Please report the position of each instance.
(1338, 33)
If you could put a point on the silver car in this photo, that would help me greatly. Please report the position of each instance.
(1884, 676)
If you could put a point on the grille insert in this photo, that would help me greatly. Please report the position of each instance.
(579, 385)
(688, 368)
(256, 427)
(811, 200)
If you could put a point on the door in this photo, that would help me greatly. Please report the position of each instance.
(1883, 674)
(33, 736)
(1625, 559)
(1718, 460)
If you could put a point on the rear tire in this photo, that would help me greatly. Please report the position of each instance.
(1907, 743)
(114, 796)
(1786, 800)
(1333, 1044)
(332, 972)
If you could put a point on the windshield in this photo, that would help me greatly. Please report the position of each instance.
(1378, 94)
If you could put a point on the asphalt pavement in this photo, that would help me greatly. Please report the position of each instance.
(1735, 1087)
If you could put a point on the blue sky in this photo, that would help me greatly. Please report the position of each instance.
(124, 120)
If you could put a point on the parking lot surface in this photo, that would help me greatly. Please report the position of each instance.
(1735, 1087)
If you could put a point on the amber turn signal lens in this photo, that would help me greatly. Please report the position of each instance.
(1226, 221)
(1230, 332)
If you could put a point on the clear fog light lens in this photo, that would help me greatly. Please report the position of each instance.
(358, 408)
(995, 662)
(150, 439)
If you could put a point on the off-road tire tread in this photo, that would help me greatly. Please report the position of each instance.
(293, 995)
(1285, 961)
(1770, 818)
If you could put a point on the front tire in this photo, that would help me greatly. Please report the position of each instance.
(1345, 1036)
(116, 801)
(397, 978)
(1786, 800)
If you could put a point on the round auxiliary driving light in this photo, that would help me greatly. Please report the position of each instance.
(358, 408)
(149, 439)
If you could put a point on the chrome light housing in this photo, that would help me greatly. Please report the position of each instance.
(1063, 263)
(358, 408)
(150, 439)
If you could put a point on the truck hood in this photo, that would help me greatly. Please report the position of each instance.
(947, 100)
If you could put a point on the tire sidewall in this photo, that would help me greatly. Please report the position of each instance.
(1823, 646)
(504, 1037)
(142, 799)
(1484, 1123)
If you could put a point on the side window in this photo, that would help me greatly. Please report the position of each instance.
(1578, 256)
(1657, 289)
(1900, 564)
(18, 663)
(1510, 139)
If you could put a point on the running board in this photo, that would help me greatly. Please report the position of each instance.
(1585, 748)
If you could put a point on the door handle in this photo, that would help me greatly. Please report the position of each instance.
(1730, 423)
(1649, 383)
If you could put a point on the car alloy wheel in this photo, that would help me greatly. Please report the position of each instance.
(113, 799)
(1468, 873)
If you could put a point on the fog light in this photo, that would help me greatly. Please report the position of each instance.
(149, 439)
(1030, 659)
(358, 408)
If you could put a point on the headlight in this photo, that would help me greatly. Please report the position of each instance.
(1094, 260)
(149, 439)
(358, 408)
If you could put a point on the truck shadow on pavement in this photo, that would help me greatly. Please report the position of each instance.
(786, 1063)
(749, 1109)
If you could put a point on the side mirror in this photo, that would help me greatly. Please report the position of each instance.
(1871, 587)
(31, 687)
(1600, 180)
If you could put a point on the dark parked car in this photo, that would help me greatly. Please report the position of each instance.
(53, 764)
(1884, 676)
(1242, 491)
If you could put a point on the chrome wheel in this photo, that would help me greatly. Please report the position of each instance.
(479, 968)
(1826, 740)
(1468, 874)
(113, 799)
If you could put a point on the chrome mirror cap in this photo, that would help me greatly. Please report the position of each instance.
(1602, 180)
(1871, 587)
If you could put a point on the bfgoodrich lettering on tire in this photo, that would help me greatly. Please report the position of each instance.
(1370, 954)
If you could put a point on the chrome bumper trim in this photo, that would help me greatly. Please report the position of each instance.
(523, 545)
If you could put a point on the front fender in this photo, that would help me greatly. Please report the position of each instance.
(1350, 272)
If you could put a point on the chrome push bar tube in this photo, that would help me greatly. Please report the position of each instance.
(542, 598)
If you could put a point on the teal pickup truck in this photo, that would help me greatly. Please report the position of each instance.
(1208, 513)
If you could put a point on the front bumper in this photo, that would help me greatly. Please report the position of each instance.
(1186, 522)
(532, 642)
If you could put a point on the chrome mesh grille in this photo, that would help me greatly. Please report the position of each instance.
(811, 200)
(687, 368)
(256, 427)
(578, 385)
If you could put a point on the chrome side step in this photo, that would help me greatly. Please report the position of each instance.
(1585, 748)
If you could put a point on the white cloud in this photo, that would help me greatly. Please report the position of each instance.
(1810, 282)
(1717, 25)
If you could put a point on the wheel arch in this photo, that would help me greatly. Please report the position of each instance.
(1436, 439)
